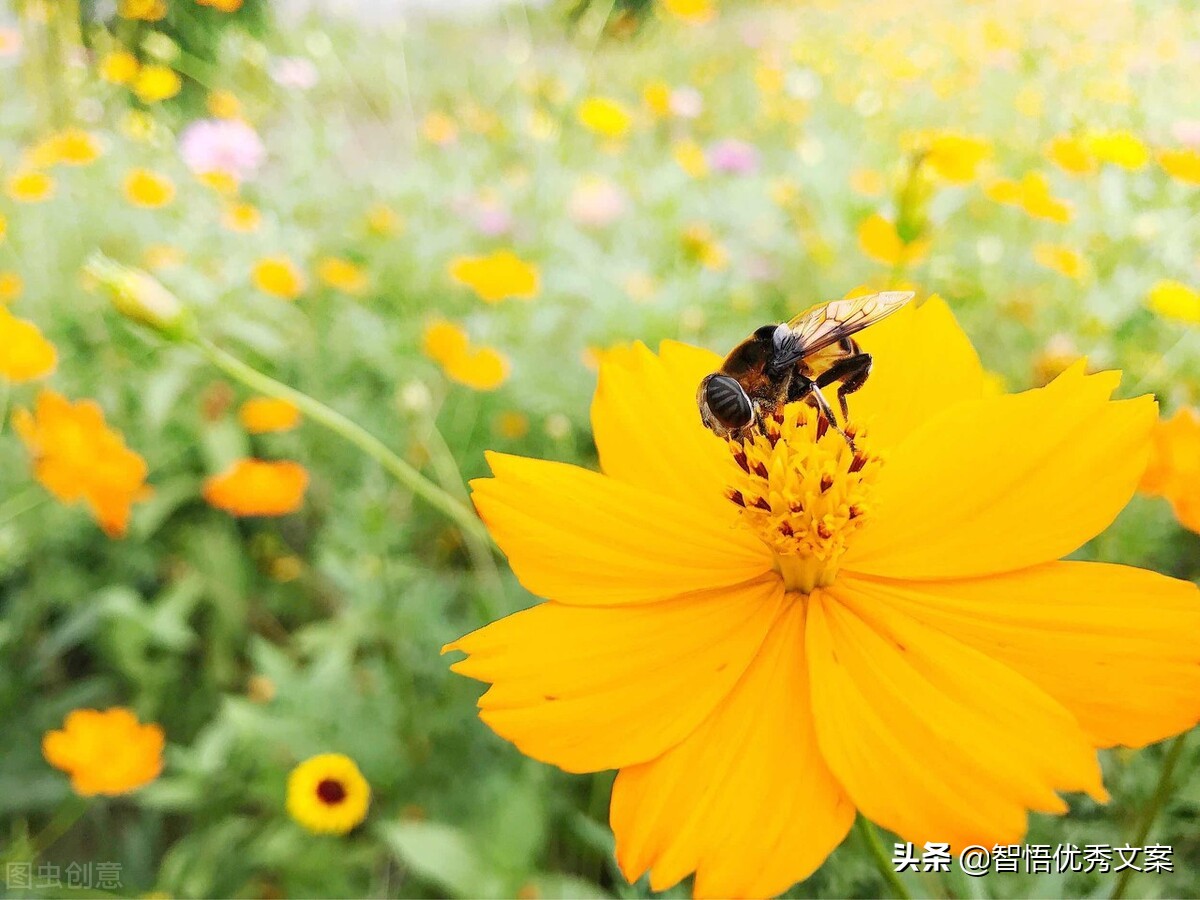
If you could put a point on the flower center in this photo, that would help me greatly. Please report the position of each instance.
(330, 791)
(804, 491)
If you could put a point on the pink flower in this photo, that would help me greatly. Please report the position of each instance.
(733, 157)
(492, 219)
(1187, 132)
(295, 72)
(686, 102)
(222, 145)
(595, 203)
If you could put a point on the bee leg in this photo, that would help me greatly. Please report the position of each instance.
(818, 399)
(852, 372)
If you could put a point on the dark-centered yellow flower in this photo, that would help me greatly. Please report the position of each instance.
(327, 794)
(766, 636)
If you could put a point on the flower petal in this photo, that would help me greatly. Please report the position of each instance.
(580, 537)
(931, 738)
(589, 688)
(1113, 644)
(923, 363)
(647, 427)
(746, 801)
(1006, 482)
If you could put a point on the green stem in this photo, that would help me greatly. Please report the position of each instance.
(879, 856)
(19, 504)
(1161, 792)
(318, 412)
(68, 814)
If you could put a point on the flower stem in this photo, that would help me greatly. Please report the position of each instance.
(870, 837)
(1161, 792)
(472, 528)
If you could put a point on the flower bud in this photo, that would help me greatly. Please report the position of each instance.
(141, 298)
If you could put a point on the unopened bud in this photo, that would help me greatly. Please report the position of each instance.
(141, 297)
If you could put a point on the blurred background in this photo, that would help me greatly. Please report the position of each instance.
(431, 216)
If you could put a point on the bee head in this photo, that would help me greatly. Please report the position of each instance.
(724, 405)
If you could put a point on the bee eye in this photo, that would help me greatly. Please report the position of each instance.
(727, 402)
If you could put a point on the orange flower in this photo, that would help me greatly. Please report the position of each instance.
(768, 635)
(481, 368)
(260, 415)
(77, 457)
(24, 354)
(1174, 468)
(107, 752)
(256, 487)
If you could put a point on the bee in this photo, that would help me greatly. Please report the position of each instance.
(793, 361)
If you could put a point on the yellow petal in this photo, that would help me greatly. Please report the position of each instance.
(590, 688)
(1006, 482)
(923, 363)
(647, 427)
(746, 801)
(581, 537)
(1113, 644)
(931, 738)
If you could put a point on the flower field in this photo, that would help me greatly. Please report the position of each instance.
(294, 307)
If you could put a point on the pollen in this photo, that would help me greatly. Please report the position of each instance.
(804, 490)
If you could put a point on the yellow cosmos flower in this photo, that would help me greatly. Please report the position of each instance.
(154, 83)
(241, 217)
(11, 286)
(69, 147)
(1032, 194)
(260, 415)
(1121, 148)
(605, 117)
(327, 794)
(879, 240)
(225, 6)
(223, 105)
(497, 276)
(25, 355)
(256, 487)
(1183, 164)
(766, 636)
(279, 277)
(481, 368)
(955, 157)
(1071, 155)
(105, 752)
(148, 190)
(693, 12)
(1174, 468)
(1064, 260)
(119, 67)
(1175, 300)
(30, 186)
(657, 97)
(76, 456)
(146, 10)
(342, 275)
(701, 245)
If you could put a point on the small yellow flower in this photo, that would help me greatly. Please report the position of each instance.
(255, 487)
(384, 221)
(223, 105)
(439, 129)
(1183, 164)
(868, 182)
(701, 245)
(657, 97)
(3, 227)
(107, 752)
(70, 147)
(1121, 148)
(156, 82)
(11, 286)
(879, 240)
(605, 117)
(223, 183)
(1062, 259)
(279, 277)
(1032, 194)
(444, 340)
(693, 12)
(342, 275)
(1175, 300)
(690, 157)
(30, 186)
(241, 217)
(955, 157)
(148, 190)
(481, 368)
(1071, 155)
(225, 6)
(146, 10)
(512, 425)
(263, 415)
(1174, 468)
(119, 67)
(327, 794)
(25, 355)
(497, 276)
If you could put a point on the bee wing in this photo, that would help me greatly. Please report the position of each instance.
(827, 323)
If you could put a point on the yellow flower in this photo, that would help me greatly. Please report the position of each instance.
(260, 415)
(70, 147)
(444, 340)
(879, 240)
(224, 183)
(342, 275)
(157, 257)
(154, 83)
(255, 487)
(3, 227)
(956, 157)
(1183, 164)
(481, 368)
(30, 186)
(241, 217)
(438, 128)
(25, 355)
(694, 12)
(1061, 259)
(225, 6)
(768, 635)
(76, 456)
(702, 246)
(382, 220)
(690, 157)
(1175, 300)
(1174, 468)
(1121, 148)
(868, 182)
(327, 794)
(1071, 155)
(657, 97)
(497, 276)
(1032, 194)
(11, 286)
(512, 425)
(223, 105)
(147, 10)
(105, 752)
(147, 189)
(119, 67)
(279, 277)
(604, 116)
